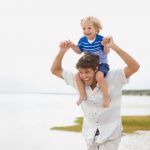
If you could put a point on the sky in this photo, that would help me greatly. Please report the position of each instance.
(30, 32)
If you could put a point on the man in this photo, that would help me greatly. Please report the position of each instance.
(101, 126)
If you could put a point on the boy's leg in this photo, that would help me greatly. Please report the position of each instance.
(81, 89)
(103, 86)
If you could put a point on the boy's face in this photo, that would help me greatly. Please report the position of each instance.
(88, 30)
(87, 75)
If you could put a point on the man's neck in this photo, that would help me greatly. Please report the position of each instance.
(93, 85)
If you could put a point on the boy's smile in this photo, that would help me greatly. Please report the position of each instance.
(89, 30)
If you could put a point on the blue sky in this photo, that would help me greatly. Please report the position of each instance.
(30, 31)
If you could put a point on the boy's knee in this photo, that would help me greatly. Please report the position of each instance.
(99, 75)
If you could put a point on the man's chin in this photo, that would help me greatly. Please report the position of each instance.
(87, 83)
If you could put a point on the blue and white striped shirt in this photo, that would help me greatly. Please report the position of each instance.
(95, 47)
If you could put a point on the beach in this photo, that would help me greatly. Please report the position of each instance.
(27, 119)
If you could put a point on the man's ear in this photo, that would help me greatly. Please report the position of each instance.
(96, 69)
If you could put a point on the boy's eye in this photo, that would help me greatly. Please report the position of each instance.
(89, 28)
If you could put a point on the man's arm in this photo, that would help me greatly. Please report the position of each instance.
(132, 64)
(56, 68)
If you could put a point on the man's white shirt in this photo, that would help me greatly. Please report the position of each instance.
(107, 120)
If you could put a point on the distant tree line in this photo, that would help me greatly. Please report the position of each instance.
(136, 92)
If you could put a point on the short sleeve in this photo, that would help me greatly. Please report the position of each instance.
(117, 78)
(69, 78)
(100, 38)
(80, 44)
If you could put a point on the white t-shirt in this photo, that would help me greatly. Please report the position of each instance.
(107, 120)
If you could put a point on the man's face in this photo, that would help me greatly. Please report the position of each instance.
(87, 75)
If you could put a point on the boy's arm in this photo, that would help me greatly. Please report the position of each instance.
(74, 48)
(106, 49)
(132, 64)
(56, 68)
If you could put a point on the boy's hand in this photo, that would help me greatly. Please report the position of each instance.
(108, 42)
(71, 44)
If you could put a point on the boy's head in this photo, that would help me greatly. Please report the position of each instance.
(91, 26)
(87, 66)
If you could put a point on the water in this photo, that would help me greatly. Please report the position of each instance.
(136, 105)
(26, 119)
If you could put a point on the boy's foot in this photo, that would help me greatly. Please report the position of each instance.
(81, 99)
(106, 102)
(79, 102)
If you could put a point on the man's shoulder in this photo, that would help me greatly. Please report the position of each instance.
(115, 73)
(116, 77)
(67, 73)
(69, 77)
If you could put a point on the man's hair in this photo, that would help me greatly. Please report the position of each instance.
(96, 22)
(88, 61)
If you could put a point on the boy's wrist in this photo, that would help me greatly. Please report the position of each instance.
(73, 46)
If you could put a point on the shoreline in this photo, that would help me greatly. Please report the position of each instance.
(134, 92)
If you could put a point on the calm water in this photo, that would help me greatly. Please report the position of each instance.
(24, 103)
(25, 119)
(136, 105)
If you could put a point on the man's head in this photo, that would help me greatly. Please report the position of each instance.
(87, 66)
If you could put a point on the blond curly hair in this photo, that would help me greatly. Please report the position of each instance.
(96, 22)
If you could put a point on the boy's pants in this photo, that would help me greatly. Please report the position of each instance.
(108, 145)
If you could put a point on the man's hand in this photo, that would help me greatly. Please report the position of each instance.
(56, 68)
(132, 64)
(64, 46)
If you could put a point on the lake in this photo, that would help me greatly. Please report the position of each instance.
(26, 119)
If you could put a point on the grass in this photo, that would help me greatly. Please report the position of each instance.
(74, 128)
(130, 124)
(134, 123)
